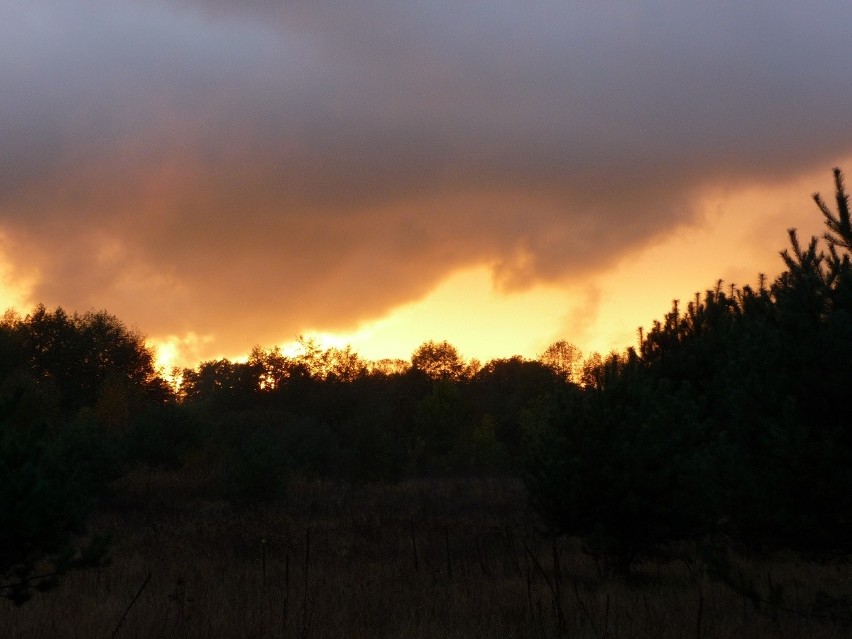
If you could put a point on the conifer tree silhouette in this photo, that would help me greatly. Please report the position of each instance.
(839, 226)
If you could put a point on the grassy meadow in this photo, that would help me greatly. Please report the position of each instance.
(418, 559)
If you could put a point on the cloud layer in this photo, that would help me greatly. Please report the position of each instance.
(249, 169)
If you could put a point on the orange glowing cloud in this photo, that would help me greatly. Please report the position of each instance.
(221, 175)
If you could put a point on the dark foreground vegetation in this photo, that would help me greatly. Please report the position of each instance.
(418, 559)
(696, 485)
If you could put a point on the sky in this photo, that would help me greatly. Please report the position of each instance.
(499, 174)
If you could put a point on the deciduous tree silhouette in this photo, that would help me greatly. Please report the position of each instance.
(78, 354)
(564, 358)
(438, 360)
(68, 382)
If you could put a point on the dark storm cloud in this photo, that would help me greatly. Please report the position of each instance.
(248, 169)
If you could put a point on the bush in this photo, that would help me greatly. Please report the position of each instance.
(255, 469)
(161, 436)
(49, 480)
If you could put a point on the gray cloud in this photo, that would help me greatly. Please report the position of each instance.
(248, 169)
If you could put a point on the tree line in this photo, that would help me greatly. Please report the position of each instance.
(729, 423)
(330, 413)
(82, 404)
(729, 420)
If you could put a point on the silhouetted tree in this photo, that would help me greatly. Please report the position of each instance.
(389, 366)
(839, 232)
(441, 419)
(438, 360)
(504, 389)
(729, 419)
(564, 358)
(70, 388)
(81, 355)
(223, 384)
(51, 473)
(274, 367)
(344, 365)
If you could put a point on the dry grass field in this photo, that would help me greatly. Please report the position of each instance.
(420, 559)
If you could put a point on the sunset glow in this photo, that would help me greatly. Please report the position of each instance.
(221, 177)
(738, 237)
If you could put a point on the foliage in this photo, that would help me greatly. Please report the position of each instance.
(440, 419)
(438, 360)
(161, 436)
(255, 472)
(729, 420)
(77, 355)
(336, 416)
(564, 358)
(49, 479)
(70, 385)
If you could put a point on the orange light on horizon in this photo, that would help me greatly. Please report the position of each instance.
(737, 235)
